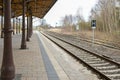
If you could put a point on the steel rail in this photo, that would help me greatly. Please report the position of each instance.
(76, 57)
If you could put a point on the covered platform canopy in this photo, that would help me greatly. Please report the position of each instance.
(39, 8)
(15, 8)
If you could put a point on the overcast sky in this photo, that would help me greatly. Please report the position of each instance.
(66, 7)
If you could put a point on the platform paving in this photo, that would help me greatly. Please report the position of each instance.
(29, 62)
(43, 60)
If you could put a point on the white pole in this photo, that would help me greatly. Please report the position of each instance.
(93, 36)
(119, 10)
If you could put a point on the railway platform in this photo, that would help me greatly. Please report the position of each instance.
(43, 60)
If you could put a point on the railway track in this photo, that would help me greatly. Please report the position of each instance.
(106, 68)
(105, 51)
(100, 42)
(97, 42)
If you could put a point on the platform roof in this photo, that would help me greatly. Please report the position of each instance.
(39, 8)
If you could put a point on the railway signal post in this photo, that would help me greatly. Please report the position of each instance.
(93, 25)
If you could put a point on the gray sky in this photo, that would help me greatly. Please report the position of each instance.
(67, 7)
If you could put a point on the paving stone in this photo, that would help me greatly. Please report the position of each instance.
(28, 62)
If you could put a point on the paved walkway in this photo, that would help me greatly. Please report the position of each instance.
(43, 60)
(28, 63)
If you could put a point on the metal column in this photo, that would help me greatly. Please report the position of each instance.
(8, 68)
(31, 29)
(16, 26)
(13, 26)
(19, 26)
(27, 37)
(31, 26)
(23, 42)
(2, 35)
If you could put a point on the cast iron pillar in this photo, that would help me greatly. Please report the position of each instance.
(16, 26)
(8, 68)
(23, 41)
(2, 35)
(27, 37)
(19, 26)
(31, 26)
(31, 29)
(13, 26)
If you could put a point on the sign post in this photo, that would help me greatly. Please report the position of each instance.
(93, 25)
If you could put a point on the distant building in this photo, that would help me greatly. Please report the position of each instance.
(43, 22)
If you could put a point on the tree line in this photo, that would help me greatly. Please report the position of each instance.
(106, 13)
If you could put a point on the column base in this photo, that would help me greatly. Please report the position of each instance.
(7, 73)
(28, 39)
(23, 47)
